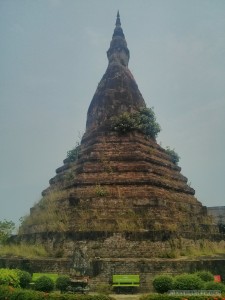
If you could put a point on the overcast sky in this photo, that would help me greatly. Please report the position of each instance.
(52, 56)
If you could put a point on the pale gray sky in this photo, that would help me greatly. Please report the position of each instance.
(52, 56)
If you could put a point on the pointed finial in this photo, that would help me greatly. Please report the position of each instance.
(118, 23)
(118, 51)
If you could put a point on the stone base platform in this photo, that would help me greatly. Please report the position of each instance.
(101, 270)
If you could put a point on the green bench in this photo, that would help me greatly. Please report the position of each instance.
(125, 283)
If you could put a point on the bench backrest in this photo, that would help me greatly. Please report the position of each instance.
(126, 280)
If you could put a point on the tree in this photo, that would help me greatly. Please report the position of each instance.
(6, 229)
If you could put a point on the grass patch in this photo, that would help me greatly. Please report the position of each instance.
(23, 250)
(206, 248)
(47, 214)
(179, 248)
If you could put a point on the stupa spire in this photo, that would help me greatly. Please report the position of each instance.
(118, 51)
(118, 23)
(117, 91)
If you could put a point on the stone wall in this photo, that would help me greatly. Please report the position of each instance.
(147, 269)
(101, 270)
(218, 212)
(121, 245)
(59, 266)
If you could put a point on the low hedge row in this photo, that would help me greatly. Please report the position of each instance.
(198, 281)
(10, 293)
(170, 297)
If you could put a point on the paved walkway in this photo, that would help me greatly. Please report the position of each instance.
(126, 297)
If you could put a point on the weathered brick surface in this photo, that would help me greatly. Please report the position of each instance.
(218, 212)
(121, 185)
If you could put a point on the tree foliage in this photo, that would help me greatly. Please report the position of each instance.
(143, 120)
(146, 122)
(173, 155)
(73, 154)
(9, 277)
(6, 230)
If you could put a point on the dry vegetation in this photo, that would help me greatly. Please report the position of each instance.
(23, 250)
(179, 249)
(47, 214)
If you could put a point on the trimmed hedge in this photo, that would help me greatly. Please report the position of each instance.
(205, 275)
(44, 284)
(24, 278)
(10, 293)
(188, 282)
(211, 285)
(62, 283)
(26, 295)
(5, 292)
(163, 283)
(168, 297)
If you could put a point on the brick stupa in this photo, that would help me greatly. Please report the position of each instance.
(120, 195)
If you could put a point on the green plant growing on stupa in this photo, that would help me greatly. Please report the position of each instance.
(100, 191)
(146, 122)
(143, 120)
(173, 155)
(73, 155)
